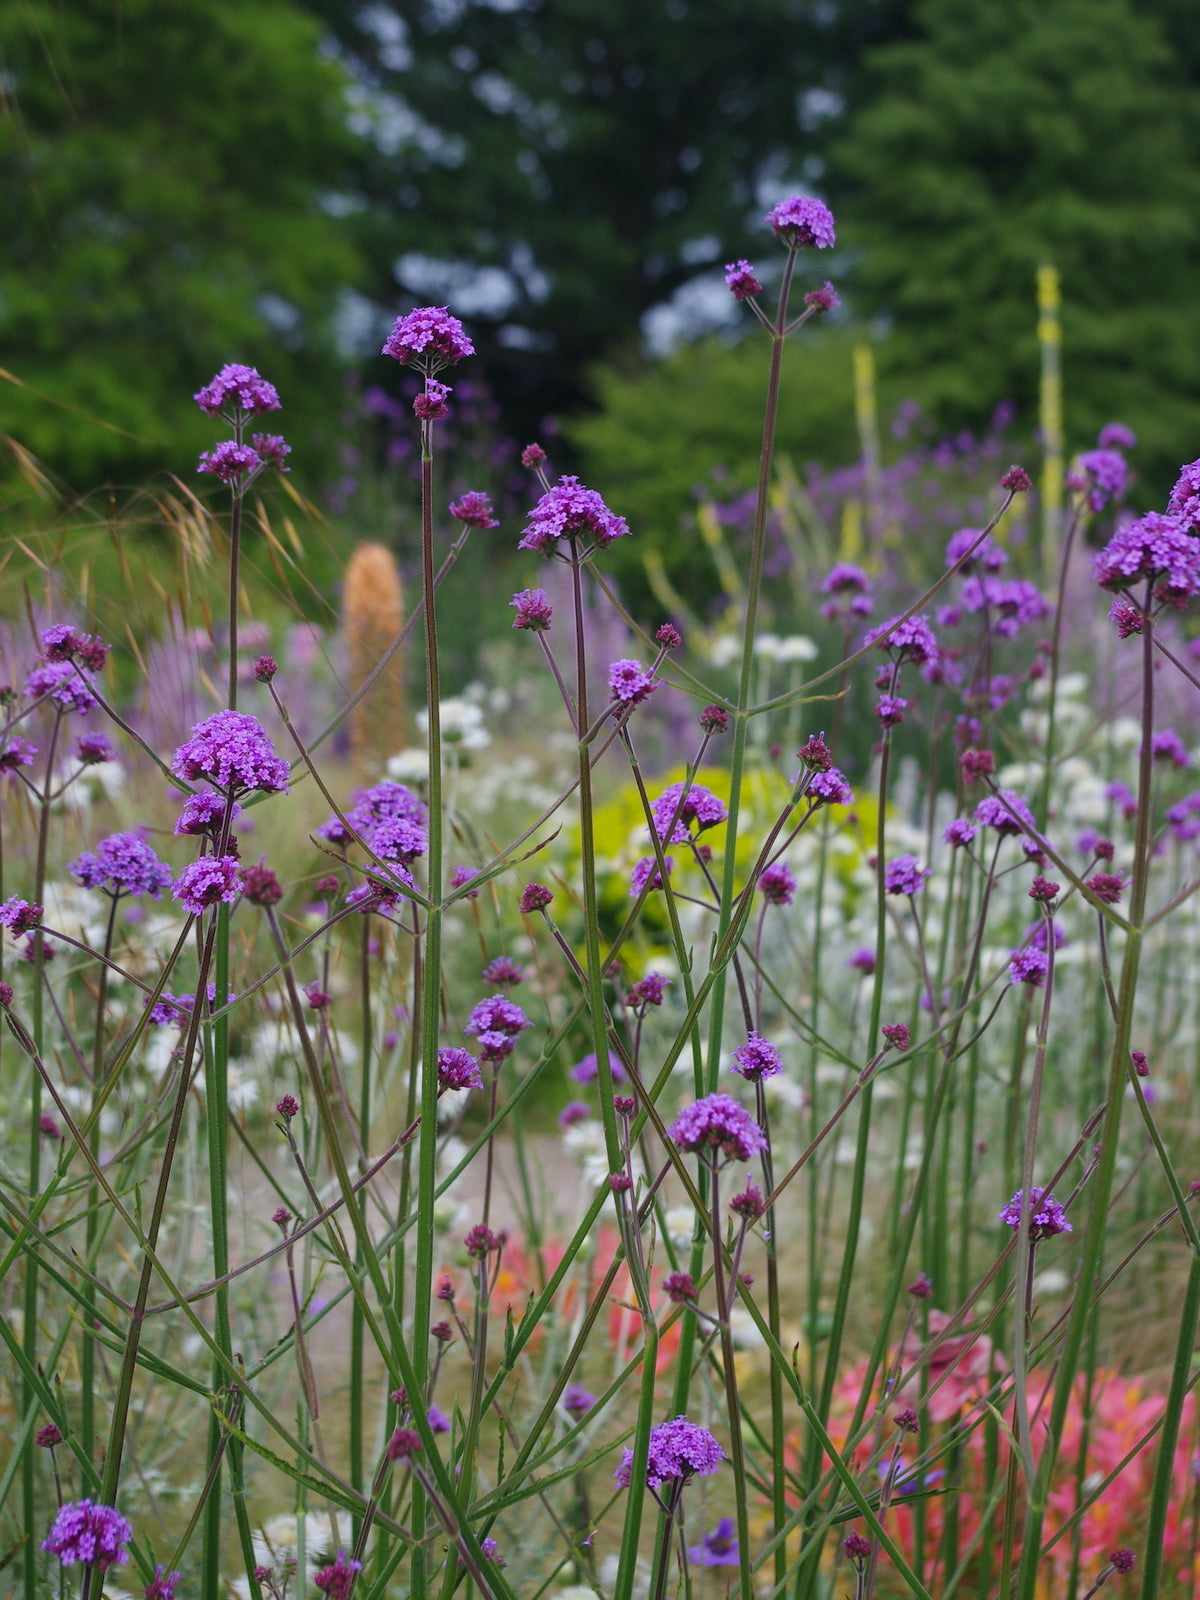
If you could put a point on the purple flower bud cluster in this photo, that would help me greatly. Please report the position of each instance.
(849, 590)
(777, 884)
(648, 991)
(1104, 473)
(17, 753)
(911, 640)
(236, 390)
(741, 280)
(1156, 549)
(205, 815)
(19, 916)
(534, 610)
(64, 643)
(904, 875)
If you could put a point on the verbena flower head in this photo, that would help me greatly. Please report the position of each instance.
(648, 991)
(230, 461)
(720, 1547)
(741, 281)
(237, 389)
(16, 753)
(1156, 548)
(587, 1070)
(430, 405)
(830, 787)
(1046, 1216)
(912, 640)
(122, 864)
(534, 897)
(1116, 436)
(678, 1449)
(777, 884)
(64, 643)
(698, 805)
(802, 221)
(577, 1400)
(163, 1584)
(646, 874)
(495, 1014)
(628, 684)
(757, 1058)
(1029, 966)
(987, 554)
(234, 753)
(84, 1531)
(337, 1579)
(1105, 472)
(569, 510)
(429, 338)
(271, 449)
(718, 1123)
(904, 875)
(93, 748)
(475, 509)
(1184, 500)
(1166, 745)
(205, 814)
(208, 882)
(458, 1069)
(534, 610)
(1006, 812)
(19, 916)
(500, 970)
(60, 681)
(826, 298)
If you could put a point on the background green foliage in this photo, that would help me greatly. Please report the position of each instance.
(161, 170)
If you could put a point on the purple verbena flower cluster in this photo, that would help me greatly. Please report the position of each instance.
(757, 1058)
(678, 1449)
(569, 510)
(122, 864)
(232, 750)
(717, 1122)
(84, 1531)
(697, 805)
(237, 389)
(802, 221)
(1047, 1216)
(429, 338)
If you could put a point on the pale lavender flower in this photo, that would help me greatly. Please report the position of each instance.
(987, 555)
(717, 1122)
(678, 1449)
(84, 1531)
(429, 338)
(587, 1071)
(802, 221)
(1046, 1216)
(233, 752)
(207, 882)
(122, 864)
(569, 510)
